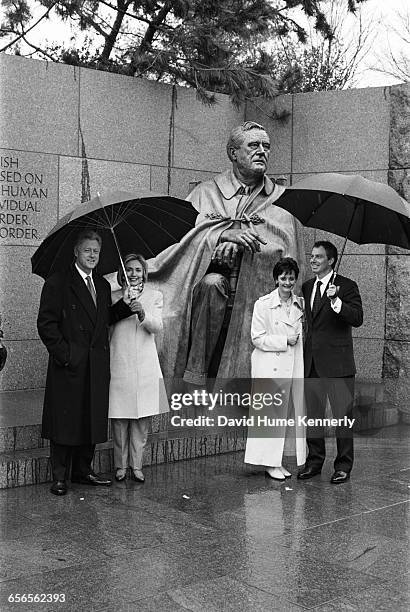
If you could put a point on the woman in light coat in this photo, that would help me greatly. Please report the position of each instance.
(137, 388)
(278, 354)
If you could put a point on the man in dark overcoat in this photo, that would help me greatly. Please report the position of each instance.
(73, 322)
(333, 306)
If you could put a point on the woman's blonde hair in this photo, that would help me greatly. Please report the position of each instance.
(126, 260)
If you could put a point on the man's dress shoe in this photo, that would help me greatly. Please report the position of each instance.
(308, 473)
(92, 479)
(59, 487)
(339, 476)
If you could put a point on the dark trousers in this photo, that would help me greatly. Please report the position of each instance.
(79, 457)
(340, 392)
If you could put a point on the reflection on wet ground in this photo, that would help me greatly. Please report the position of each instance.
(212, 534)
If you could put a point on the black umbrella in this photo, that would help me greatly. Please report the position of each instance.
(351, 206)
(144, 222)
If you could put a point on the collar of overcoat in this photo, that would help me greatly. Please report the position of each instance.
(296, 311)
(228, 185)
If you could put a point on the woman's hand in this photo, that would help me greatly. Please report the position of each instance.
(137, 309)
(293, 339)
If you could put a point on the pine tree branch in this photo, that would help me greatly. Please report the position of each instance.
(153, 26)
(21, 35)
(89, 19)
(132, 15)
(112, 36)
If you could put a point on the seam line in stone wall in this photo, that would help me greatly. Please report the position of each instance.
(79, 113)
(116, 161)
(291, 140)
(347, 170)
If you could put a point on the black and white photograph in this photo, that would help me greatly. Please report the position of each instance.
(205, 305)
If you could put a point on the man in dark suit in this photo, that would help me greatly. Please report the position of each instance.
(74, 317)
(333, 306)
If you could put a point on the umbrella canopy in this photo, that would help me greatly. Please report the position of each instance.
(350, 206)
(143, 222)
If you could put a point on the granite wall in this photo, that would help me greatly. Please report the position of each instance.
(125, 124)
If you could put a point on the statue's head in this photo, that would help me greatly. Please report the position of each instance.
(248, 149)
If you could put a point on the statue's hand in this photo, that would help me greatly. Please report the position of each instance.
(225, 254)
(247, 238)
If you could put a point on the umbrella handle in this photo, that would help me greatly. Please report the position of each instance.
(119, 254)
(339, 259)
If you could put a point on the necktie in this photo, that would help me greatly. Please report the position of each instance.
(91, 290)
(244, 190)
(317, 298)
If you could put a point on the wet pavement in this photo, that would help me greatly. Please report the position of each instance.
(212, 534)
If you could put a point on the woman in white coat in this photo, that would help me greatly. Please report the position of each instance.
(137, 388)
(278, 354)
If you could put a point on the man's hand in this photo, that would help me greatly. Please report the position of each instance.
(137, 309)
(225, 254)
(293, 339)
(332, 292)
(247, 238)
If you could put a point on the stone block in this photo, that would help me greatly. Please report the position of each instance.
(38, 105)
(309, 237)
(103, 462)
(20, 295)
(123, 118)
(276, 116)
(104, 176)
(182, 180)
(338, 131)
(399, 126)
(368, 354)
(396, 371)
(26, 365)
(400, 181)
(21, 438)
(201, 132)
(24, 468)
(21, 408)
(398, 298)
(28, 196)
(376, 416)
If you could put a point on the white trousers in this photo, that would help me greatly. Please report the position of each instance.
(130, 437)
